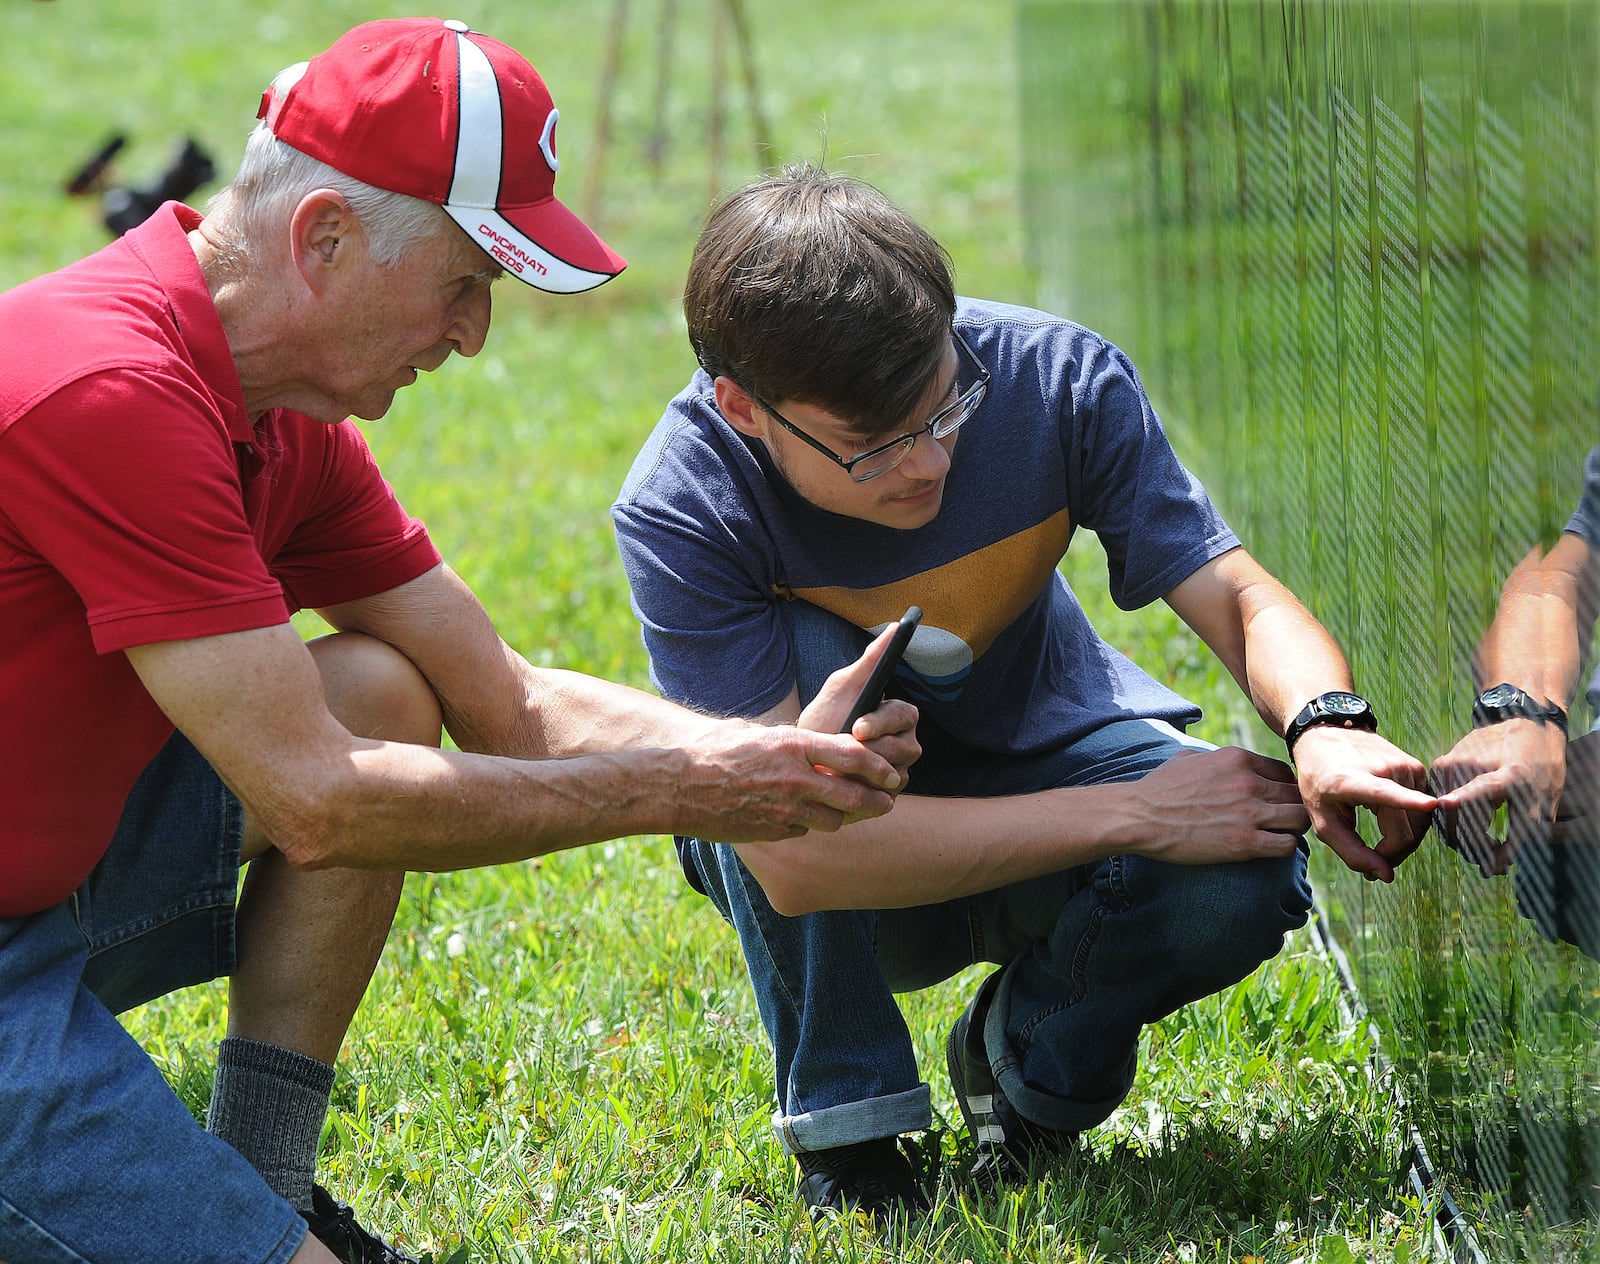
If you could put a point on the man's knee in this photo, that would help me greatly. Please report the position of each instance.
(375, 691)
(1208, 926)
(1250, 906)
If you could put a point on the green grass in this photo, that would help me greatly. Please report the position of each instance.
(561, 1060)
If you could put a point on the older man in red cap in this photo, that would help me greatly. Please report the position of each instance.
(177, 476)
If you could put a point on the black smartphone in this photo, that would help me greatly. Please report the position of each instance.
(883, 670)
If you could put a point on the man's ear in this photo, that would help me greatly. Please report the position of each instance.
(323, 234)
(738, 408)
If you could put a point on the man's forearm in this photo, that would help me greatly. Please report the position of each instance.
(1209, 807)
(1533, 641)
(1270, 643)
(928, 850)
(552, 713)
(395, 806)
(1290, 659)
(413, 807)
(496, 702)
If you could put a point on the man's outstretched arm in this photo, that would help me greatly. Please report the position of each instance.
(574, 760)
(1208, 807)
(1282, 658)
(1535, 643)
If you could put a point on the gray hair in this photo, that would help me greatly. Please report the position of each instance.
(274, 176)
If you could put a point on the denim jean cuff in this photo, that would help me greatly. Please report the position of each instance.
(1039, 1106)
(1064, 1114)
(850, 1122)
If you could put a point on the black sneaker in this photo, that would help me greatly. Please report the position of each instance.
(335, 1227)
(870, 1176)
(1006, 1145)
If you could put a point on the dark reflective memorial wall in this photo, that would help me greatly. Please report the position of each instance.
(1352, 248)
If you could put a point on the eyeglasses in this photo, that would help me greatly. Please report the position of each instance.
(865, 466)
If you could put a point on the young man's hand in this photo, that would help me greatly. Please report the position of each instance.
(1519, 763)
(889, 731)
(1214, 807)
(1340, 770)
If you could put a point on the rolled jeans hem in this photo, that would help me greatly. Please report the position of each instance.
(1040, 1106)
(852, 1122)
(1049, 1111)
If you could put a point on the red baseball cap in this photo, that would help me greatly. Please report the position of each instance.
(437, 111)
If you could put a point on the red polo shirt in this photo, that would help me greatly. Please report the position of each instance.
(138, 504)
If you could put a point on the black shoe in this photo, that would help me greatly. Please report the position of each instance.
(335, 1227)
(1006, 1145)
(870, 1176)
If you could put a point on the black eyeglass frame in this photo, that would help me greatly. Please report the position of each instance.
(962, 408)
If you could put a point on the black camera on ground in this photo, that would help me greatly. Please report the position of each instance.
(124, 206)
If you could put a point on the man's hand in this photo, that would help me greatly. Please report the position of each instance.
(1281, 656)
(755, 783)
(1519, 763)
(1215, 807)
(890, 731)
(1343, 769)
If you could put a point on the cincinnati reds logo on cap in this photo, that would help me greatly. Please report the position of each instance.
(437, 111)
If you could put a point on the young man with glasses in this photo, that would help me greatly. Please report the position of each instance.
(859, 440)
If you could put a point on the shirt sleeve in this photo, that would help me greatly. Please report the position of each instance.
(128, 487)
(1585, 520)
(1125, 483)
(716, 639)
(349, 537)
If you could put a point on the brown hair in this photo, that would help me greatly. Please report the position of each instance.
(814, 287)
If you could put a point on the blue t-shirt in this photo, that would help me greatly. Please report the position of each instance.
(1586, 523)
(1586, 518)
(713, 538)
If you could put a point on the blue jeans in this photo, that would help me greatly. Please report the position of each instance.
(99, 1160)
(1089, 955)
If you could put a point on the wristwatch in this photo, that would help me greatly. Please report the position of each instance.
(1338, 707)
(1506, 702)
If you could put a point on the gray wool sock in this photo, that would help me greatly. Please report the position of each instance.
(269, 1103)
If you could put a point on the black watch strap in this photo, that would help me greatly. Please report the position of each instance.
(1339, 708)
(1504, 701)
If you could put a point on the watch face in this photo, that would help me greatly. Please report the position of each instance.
(1500, 696)
(1340, 703)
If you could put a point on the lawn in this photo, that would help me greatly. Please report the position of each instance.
(561, 1060)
